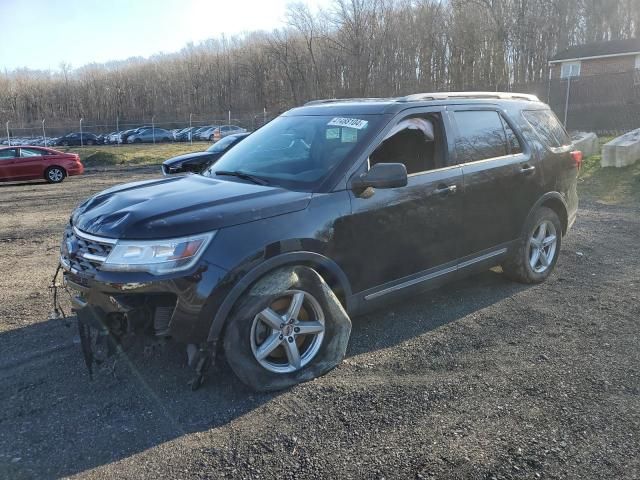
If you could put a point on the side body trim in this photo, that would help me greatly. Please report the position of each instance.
(434, 274)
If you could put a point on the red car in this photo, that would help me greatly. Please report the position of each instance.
(32, 163)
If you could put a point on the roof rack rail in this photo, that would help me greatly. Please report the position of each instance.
(418, 97)
(470, 95)
(336, 100)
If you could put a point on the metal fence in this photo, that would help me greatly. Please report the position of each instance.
(607, 104)
(47, 133)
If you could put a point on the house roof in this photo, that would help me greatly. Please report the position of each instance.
(600, 49)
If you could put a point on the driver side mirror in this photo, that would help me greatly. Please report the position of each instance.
(382, 175)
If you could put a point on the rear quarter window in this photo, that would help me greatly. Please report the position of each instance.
(548, 127)
(481, 135)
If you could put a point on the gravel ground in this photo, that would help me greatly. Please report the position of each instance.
(482, 379)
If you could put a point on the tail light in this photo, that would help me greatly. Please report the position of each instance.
(576, 156)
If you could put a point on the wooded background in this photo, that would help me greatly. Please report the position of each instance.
(354, 48)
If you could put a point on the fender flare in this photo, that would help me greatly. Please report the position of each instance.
(557, 198)
(307, 258)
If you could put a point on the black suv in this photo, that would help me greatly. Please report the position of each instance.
(329, 210)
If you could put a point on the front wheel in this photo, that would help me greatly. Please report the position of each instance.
(288, 328)
(54, 174)
(536, 254)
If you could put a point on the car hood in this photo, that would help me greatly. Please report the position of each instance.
(188, 156)
(179, 206)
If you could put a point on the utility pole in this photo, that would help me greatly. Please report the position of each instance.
(566, 103)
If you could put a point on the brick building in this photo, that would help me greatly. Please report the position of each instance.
(600, 58)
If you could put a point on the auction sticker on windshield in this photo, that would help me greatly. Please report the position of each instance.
(348, 122)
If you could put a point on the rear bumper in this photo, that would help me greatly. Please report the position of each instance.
(79, 170)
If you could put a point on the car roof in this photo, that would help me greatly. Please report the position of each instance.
(369, 106)
(37, 147)
(238, 135)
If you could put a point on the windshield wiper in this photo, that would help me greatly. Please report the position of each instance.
(243, 175)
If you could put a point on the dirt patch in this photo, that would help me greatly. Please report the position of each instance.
(481, 379)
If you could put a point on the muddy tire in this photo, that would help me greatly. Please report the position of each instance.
(536, 254)
(288, 328)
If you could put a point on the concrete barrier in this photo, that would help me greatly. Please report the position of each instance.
(622, 151)
(586, 142)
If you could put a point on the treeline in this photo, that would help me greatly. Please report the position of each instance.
(354, 48)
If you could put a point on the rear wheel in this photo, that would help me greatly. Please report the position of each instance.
(90, 142)
(289, 328)
(54, 174)
(537, 252)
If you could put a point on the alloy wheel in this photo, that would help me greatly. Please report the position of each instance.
(55, 175)
(542, 246)
(287, 334)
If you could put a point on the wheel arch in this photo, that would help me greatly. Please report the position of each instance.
(556, 202)
(327, 268)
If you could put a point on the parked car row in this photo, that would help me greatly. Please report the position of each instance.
(149, 134)
(142, 134)
(37, 141)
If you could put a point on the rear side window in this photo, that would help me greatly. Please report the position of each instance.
(512, 140)
(481, 135)
(30, 152)
(548, 127)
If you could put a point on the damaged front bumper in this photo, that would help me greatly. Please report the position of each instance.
(181, 308)
(112, 309)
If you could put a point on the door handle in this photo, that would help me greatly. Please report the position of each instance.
(527, 169)
(446, 189)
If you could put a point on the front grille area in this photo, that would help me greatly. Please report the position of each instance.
(83, 253)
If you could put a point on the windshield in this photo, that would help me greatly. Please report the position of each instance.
(297, 152)
(222, 144)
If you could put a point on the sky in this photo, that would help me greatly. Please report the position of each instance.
(41, 34)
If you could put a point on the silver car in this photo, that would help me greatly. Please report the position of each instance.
(206, 133)
(148, 135)
(224, 130)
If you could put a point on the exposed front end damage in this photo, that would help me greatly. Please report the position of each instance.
(114, 307)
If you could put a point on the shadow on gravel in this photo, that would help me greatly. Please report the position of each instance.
(30, 183)
(418, 315)
(55, 422)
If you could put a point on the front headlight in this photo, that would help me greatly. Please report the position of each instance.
(157, 257)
